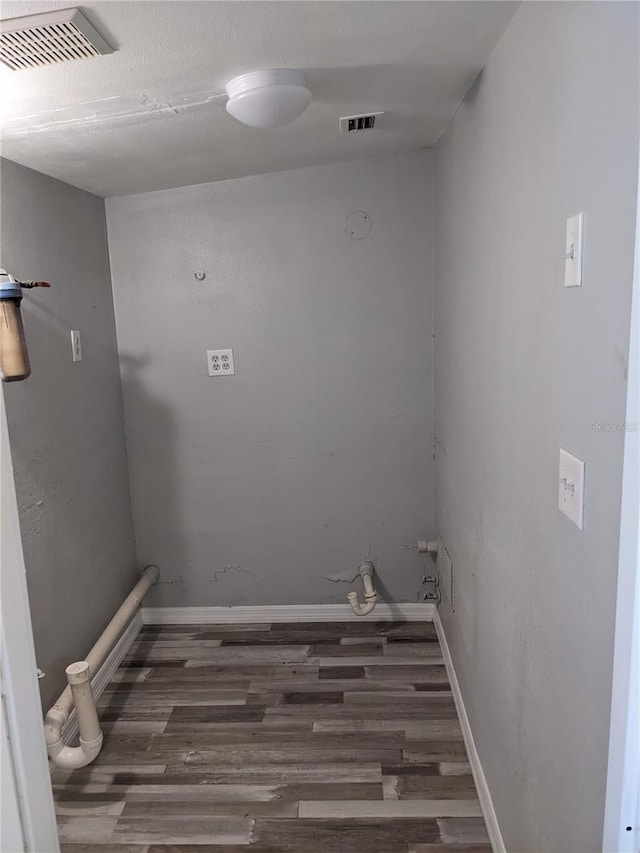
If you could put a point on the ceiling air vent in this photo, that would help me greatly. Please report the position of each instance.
(352, 124)
(36, 40)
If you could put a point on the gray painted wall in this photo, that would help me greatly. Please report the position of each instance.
(523, 367)
(65, 421)
(271, 486)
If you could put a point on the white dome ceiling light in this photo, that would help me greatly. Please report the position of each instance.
(268, 98)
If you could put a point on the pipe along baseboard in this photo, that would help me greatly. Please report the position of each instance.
(78, 690)
(370, 595)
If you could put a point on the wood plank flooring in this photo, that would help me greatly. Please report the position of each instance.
(285, 737)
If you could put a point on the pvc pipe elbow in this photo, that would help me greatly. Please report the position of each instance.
(362, 609)
(53, 724)
(74, 757)
(78, 691)
(366, 570)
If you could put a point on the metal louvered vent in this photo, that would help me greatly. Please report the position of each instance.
(36, 40)
(352, 124)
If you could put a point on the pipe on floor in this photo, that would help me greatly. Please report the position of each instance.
(370, 595)
(78, 691)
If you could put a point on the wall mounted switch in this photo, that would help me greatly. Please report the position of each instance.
(220, 362)
(573, 251)
(76, 346)
(571, 487)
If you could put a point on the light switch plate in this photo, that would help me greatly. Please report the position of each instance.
(220, 362)
(573, 251)
(76, 346)
(571, 487)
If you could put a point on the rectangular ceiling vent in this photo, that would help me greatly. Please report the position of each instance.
(353, 124)
(36, 40)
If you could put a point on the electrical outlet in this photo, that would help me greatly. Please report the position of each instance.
(76, 346)
(220, 362)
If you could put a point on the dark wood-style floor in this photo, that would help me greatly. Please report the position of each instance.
(285, 737)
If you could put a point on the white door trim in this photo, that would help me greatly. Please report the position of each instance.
(622, 808)
(27, 758)
(11, 835)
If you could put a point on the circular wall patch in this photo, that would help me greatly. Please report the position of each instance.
(357, 224)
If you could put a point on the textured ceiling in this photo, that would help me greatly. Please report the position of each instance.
(151, 115)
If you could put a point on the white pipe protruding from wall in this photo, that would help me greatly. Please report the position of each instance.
(78, 691)
(371, 596)
(72, 757)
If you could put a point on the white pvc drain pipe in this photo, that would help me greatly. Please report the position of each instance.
(370, 595)
(78, 691)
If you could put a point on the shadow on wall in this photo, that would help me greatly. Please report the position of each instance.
(154, 465)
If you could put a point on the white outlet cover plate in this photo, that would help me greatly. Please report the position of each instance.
(220, 362)
(573, 251)
(571, 487)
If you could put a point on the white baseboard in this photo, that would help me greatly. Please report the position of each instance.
(484, 795)
(283, 613)
(106, 672)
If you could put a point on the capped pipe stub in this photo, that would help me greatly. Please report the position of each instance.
(78, 673)
(151, 571)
